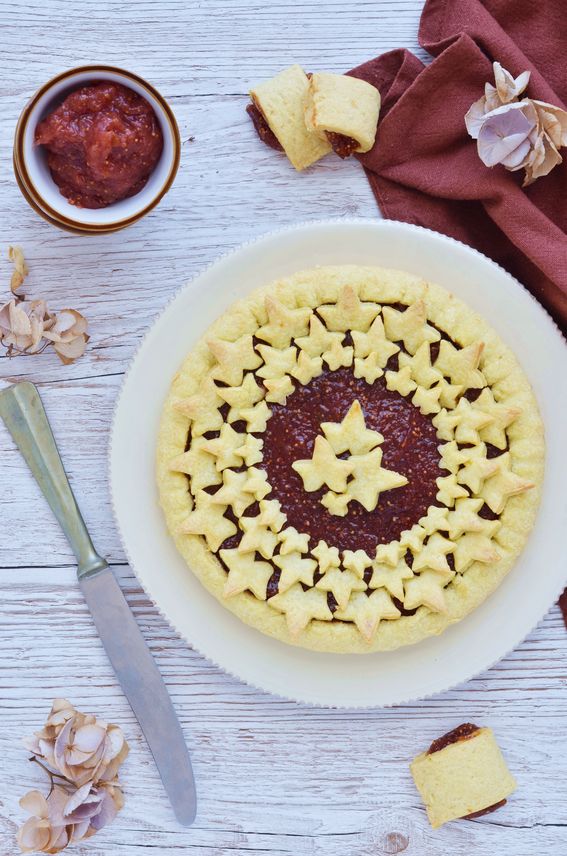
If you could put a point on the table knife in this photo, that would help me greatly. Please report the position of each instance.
(22, 411)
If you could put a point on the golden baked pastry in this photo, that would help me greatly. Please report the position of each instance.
(462, 775)
(343, 110)
(350, 459)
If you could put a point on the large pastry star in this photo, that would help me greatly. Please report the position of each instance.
(198, 464)
(243, 396)
(349, 312)
(207, 519)
(351, 434)
(319, 339)
(368, 612)
(233, 359)
(202, 408)
(409, 326)
(301, 607)
(323, 468)
(245, 573)
(374, 342)
(341, 584)
(370, 479)
(502, 417)
(295, 568)
(461, 364)
(392, 579)
(284, 324)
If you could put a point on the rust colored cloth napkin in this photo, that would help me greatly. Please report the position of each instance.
(424, 168)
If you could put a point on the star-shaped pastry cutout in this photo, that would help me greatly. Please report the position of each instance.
(307, 368)
(500, 487)
(460, 365)
(433, 556)
(409, 326)
(327, 557)
(465, 518)
(301, 607)
(336, 503)
(338, 355)
(207, 519)
(245, 395)
(257, 537)
(374, 342)
(357, 561)
(233, 359)
(400, 381)
(292, 541)
(225, 447)
(449, 393)
(277, 361)
(256, 417)
(351, 434)
(284, 323)
(426, 589)
(271, 514)
(475, 472)
(461, 424)
(233, 492)
(197, 464)
(319, 339)
(324, 468)
(278, 389)
(245, 573)
(202, 408)
(368, 367)
(257, 483)
(388, 554)
(427, 400)
(502, 416)
(341, 584)
(251, 450)
(391, 579)
(422, 371)
(449, 490)
(474, 547)
(295, 568)
(370, 479)
(435, 520)
(412, 539)
(368, 612)
(349, 312)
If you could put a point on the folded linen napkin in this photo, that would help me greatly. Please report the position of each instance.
(424, 168)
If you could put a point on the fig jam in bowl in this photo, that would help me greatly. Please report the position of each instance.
(96, 149)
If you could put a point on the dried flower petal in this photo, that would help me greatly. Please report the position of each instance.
(16, 256)
(502, 132)
(507, 87)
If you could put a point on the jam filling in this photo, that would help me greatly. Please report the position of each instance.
(103, 142)
(342, 145)
(262, 128)
(457, 735)
(409, 447)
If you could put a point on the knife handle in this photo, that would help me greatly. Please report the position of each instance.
(23, 413)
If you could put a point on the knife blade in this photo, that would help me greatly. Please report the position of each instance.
(23, 414)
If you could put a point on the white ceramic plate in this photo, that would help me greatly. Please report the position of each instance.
(333, 679)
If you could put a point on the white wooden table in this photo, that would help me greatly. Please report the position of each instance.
(273, 777)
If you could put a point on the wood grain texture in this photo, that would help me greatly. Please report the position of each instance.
(274, 777)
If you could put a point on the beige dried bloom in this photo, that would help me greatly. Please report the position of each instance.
(518, 134)
(16, 256)
(78, 746)
(27, 326)
(67, 815)
(82, 755)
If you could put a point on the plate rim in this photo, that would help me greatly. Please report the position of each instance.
(146, 342)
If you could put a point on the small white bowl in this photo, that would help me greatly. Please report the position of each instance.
(34, 177)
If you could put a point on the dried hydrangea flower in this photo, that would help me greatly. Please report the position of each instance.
(83, 754)
(67, 815)
(16, 256)
(27, 327)
(78, 746)
(518, 134)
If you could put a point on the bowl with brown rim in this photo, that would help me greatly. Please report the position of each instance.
(34, 177)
